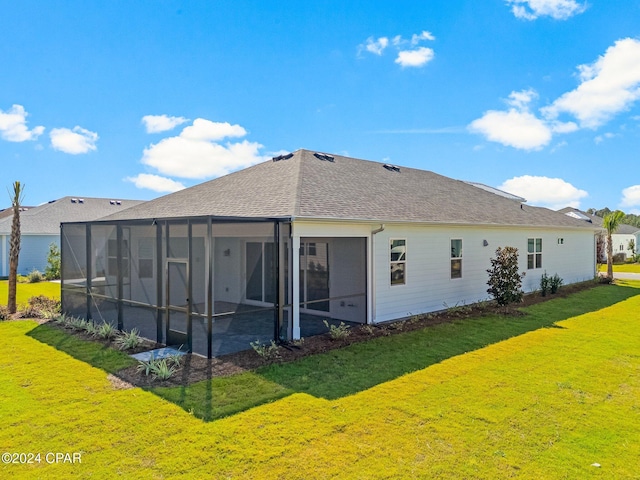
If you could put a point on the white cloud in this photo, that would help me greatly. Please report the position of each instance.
(196, 152)
(521, 100)
(374, 46)
(518, 129)
(206, 130)
(631, 196)
(161, 123)
(76, 141)
(409, 53)
(415, 58)
(155, 183)
(557, 9)
(601, 138)
(609, 86)
(553, 193)
(13, 125)
(425, 35)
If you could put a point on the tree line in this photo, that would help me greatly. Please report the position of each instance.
(627, 219)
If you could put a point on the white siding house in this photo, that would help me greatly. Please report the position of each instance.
(40, 227)
(273, 251)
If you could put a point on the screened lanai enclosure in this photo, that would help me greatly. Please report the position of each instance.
(212, 285)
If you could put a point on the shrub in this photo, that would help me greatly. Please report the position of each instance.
(91, 328)
(337, 333)
(544, 284)
(619, 258)
(266, 351)
(128, 340)
(163, 370)
(4, 312)
(505, 283)
(555, 283)
(34, 276)
(367, 329)
(52, 270)
(41, 306)
(106, 331)
(78, 323)
(159, 368)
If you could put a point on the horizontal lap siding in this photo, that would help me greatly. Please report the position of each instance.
(429, 286)
(34, 250)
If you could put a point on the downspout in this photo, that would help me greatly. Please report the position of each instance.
(373, 271)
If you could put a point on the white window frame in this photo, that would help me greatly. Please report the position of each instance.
(457, 259)
(402, 261)
(535, 253)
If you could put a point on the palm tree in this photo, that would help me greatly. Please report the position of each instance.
(611, 222)
(14, 244)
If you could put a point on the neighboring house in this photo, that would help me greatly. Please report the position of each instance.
(40, 227)
(620, 239)
(271, 251)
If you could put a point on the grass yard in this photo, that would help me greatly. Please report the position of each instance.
(623, 268)
(27, 290)
(546, 403)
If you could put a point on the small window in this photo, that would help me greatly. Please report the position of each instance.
(534, 253)
(398, 261)
(561, 241)
(456, 258)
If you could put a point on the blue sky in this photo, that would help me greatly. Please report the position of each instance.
(137, 99)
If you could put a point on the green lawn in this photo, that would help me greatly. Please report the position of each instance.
(623, 268)
(545, 403)
(27, 290)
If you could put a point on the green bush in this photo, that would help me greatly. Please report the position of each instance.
(34, 276)
(555, 283)
(129, 340)
(266, 351)
(338, 333)
(505, 283)
(107, 331)
(544, 284)
(52, 270)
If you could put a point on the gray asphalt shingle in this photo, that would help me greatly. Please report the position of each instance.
(45, 219)
(347, 189)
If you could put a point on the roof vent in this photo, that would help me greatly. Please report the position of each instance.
(391, 168)
(81, 200)
(323, 157)
(74, 200)
(282, 157)
(112, 202)
(118, 202)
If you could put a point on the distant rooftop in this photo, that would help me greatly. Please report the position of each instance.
(45, 219)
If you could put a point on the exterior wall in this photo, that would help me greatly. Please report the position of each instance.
(33, 252)
(429, 286)
(621, 243)
(4, 256)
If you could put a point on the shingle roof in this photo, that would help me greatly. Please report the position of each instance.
(623, 229)
(45, 219)
(336, 187)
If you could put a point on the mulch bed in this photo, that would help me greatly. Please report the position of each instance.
(196, 368)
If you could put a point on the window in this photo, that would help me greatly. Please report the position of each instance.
(398, 261)
(145, 258)
(534, 253)
(560, 241)
(112, 258)
(456, 258)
